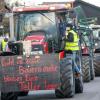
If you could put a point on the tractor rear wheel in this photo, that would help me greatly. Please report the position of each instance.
(67, 88)
(86, 69)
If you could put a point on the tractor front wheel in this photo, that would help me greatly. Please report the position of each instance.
(67, 88)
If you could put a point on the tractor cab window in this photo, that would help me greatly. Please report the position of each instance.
(34, 22)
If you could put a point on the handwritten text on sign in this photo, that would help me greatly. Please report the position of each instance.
(20, 73)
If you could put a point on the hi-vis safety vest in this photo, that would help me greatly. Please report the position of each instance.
(73, 46)
(3, 45)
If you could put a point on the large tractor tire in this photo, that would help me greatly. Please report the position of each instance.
(9, 96)
(97, 65)
(67, 88)
(86, 69)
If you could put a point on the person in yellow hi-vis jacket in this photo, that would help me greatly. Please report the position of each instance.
(72, 45)
(72, 39)
(4, 44)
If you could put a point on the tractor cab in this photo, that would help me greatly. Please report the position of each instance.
(43, 25)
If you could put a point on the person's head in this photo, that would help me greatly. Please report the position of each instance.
(6, 39)
(69, 27)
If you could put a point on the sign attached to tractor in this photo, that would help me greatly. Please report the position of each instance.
(21, 73)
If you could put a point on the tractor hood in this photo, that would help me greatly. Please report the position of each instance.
(35, 38)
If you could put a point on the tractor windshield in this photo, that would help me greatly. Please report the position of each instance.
(27, 22)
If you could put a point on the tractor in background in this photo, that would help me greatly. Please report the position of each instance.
(87, 44)
(96, 34)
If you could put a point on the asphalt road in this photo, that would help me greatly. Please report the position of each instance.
(91, 92)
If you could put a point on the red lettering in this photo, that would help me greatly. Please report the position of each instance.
(24, 70)
(19, 61)
(6, 62)
(45, 83)
(31, 60)
(21, 70)
(24, 86)
(50, 69)
(12, 79)
(27, 61)
(31, 78)
(36, 87)
(51, 86)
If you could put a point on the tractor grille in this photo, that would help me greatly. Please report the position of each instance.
(37, 49)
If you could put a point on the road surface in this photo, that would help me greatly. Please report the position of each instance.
(91, 92)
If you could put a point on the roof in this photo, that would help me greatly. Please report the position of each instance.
(86, 3)
(49, 7)
(89, 9)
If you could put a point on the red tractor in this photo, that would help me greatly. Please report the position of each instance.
(40, 25)
(38, 42)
